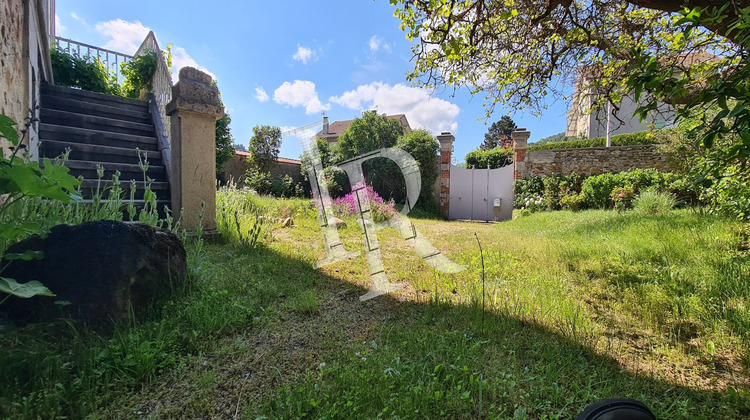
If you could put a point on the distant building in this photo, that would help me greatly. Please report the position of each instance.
(585, 120)
(332, 132)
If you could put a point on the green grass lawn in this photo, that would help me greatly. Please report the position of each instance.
(578, 307)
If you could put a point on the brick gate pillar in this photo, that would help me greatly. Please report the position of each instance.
(520, 138)
(446, 140)
(194, 109)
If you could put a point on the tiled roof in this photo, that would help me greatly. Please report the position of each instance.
(280, 160)
(337, 127)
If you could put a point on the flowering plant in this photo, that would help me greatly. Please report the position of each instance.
(381, 210)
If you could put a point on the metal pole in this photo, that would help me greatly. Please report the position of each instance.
(609, 114)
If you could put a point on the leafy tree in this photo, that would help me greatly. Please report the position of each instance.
(224, 142)
(518, 52)
(365, 134)
(424, 148)
(264, 147)
(336, 179)
(499, 133)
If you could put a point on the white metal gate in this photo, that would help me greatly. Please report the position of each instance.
(481, 194)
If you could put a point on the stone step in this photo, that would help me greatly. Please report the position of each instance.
(94, 97)
(97, 153)
(91, 122)
(88, 170)
(89, 187)
(56, 132)
(81, 106)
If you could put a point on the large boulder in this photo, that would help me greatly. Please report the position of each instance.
(97, 271)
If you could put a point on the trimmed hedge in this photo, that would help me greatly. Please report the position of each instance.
(495, 158)
(629, 139)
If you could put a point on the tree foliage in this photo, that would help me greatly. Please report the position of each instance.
(224, 142)
(715, 95)
(367, 133)
(264, 147)
(517, 52)
(371, 132)
(691, 54)
(499, 134)
(424, 148)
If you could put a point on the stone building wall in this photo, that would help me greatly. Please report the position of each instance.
(25, 30)
(594, 160)
(237, 166)
(13, 61)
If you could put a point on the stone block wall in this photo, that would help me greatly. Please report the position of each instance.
(237, 167)
(14, 66)
(593, 160)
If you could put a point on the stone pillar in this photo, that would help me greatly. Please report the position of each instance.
(446, 140)
(193, 112)
(520, 138)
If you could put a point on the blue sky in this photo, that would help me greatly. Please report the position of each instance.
(284, 63)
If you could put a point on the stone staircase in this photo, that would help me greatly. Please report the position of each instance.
(102, 130)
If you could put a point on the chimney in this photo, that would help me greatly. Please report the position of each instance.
(325, 125)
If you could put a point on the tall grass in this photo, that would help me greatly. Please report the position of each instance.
(652, 201)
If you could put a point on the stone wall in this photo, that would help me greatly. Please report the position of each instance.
(25, 29)
(593, 160)
(13, 61)
(237, 166)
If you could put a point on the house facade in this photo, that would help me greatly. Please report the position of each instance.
(27, 28)
(587, 119)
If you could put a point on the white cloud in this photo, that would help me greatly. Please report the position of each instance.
(78, 18)
(378, 44)
(261, 95)
(299, 93)
(422, 111)
(180, 59)
(304, 55)
(124, 37)
(59, 27)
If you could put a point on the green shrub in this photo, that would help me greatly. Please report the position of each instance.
(258, 181)
(628, 139)
(494, 158)
(552, 189)
(139, 72)
(82, 72)
(652, 201)
(573, 202)
(730, 196)
(573, 192)
(598, 188)
(622, 197)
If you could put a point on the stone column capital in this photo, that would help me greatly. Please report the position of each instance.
(194, 92)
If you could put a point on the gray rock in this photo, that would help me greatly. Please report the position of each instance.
(101, 268)
(335, 221)
(288, 222)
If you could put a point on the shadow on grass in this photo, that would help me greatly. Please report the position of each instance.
(263, 333)
(427, 359)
